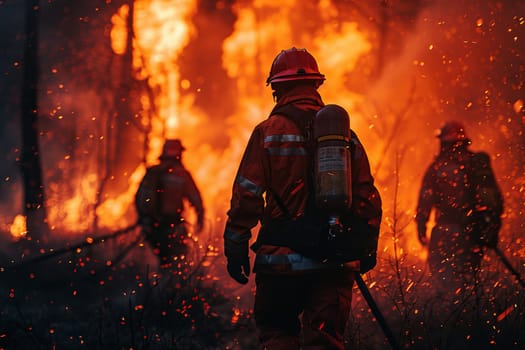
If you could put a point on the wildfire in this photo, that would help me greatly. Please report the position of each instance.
(162, 30)
(196, 70)
(162, 33)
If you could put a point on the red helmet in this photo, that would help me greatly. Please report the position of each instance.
(452, 131)
(172, 149)
(294, 64)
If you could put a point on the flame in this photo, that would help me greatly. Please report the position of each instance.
(119, 34)
(115, 208)
(73, 212)
(163, 29)
(18, 228)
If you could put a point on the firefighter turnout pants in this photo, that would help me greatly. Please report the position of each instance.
(305, 311)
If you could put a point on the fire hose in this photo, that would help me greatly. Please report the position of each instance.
(86, 243)
(509, 266)
(377, 313)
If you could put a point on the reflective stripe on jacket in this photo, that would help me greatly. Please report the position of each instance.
(297, 262)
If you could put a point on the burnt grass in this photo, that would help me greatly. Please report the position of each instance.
(109, 297)
(113, 296)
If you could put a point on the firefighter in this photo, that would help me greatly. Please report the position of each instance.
(160, 203)
(461, 188)
(298, 292)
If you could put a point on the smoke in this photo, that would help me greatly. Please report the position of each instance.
(460, 61)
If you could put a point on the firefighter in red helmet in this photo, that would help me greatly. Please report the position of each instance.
(274, 187)
(461, 188)
(160, 203)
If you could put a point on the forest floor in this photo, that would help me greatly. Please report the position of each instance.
(113, 296)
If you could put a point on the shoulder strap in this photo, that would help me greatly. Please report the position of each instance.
(303, 119)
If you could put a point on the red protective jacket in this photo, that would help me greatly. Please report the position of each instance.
(276, 160)
(458, 185)
(164, 189)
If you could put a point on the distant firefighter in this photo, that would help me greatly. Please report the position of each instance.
(160, 203)
(460, 186)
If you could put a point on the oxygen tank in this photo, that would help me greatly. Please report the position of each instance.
(333, 175)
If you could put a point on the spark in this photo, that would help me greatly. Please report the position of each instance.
(506, 312)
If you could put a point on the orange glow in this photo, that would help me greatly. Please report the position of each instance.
(112, 211)
(18, 227)
(74, 212)
(518, 106)
(119, 34)
(163, 29)
(235, 315)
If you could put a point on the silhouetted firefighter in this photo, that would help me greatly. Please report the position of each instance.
(460, 186)
(309, 185)
(160, 203)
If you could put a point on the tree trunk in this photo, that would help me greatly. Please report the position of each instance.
(34, 208)
(123, 126)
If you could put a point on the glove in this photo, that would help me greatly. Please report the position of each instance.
(367, 263)
(422, 233)
(238, 264)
